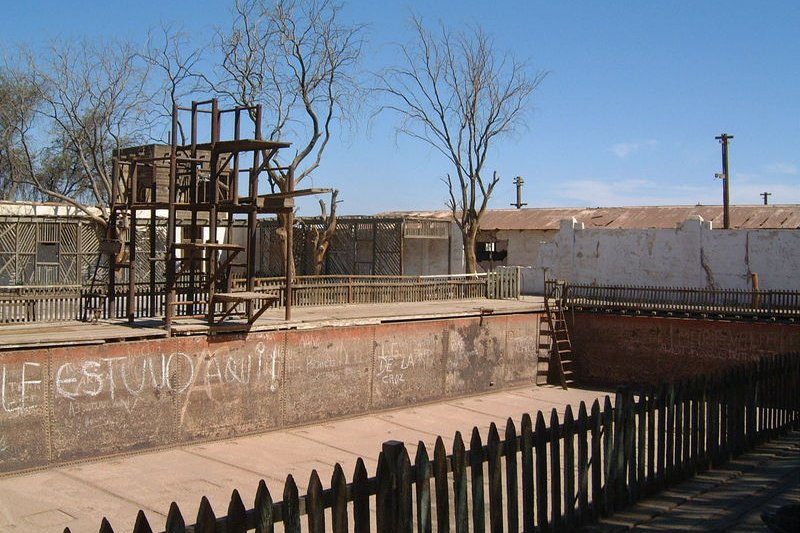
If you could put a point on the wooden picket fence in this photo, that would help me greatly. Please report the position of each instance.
(545, 476)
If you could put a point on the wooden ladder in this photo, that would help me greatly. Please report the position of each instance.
(555, 348)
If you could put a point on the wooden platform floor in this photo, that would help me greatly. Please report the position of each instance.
(82, 333)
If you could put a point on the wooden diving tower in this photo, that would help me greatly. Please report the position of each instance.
(202, 186)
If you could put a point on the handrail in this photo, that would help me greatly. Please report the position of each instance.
(763, 302)
(76, 302)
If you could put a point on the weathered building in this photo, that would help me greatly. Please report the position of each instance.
(630, 244)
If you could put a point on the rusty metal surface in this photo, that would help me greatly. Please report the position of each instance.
(475, 355)
(70, 403)
(776, 216)
(327, 373)
(113, 398)
(521, 357)
(24, 440)
(228, 385)
(409, 363)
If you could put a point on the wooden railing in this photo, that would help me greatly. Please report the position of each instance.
(769, 303)
(339, 290)
(55, 304)
(545, 476)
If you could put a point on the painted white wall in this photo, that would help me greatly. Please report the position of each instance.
(424, 257)
(691, 255)
(523, 245)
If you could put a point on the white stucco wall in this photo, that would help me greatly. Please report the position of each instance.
(425, 257)
(691, 255)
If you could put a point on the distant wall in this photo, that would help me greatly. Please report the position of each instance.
(70, 403)
(611, 350)
(691, 255)
(425, 257)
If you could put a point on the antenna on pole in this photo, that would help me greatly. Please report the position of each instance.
(765, 195)
(726, 218)
(518, 181)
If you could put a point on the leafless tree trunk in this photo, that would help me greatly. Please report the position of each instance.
(455, 92)
(300, 61)
(321, 240)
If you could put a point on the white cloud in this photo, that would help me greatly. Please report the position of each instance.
(610, 193)
(623, 150)
(782, 168)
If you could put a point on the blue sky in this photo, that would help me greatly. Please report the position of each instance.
(636, 93)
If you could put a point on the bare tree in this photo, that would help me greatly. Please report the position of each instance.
(176, 64)
(91, 101)
(301, 62)
(457, 93)
(18, 104)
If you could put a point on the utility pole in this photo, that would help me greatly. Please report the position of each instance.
(765, 195)
(518, 181)
(726, 182)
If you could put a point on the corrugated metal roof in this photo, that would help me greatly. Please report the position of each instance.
(778, 216)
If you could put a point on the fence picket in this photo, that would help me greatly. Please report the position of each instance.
(511, 448)
(596, 424)
(423, 484)
(384, 510)
(702, 410)
(460, 484)
(338, 500)
(691, 452)
(608, 453)
(476, 471)
(315, 510)
(442, 497)
(554, 438)
(582, 428)
(175, 521)
(528, 475)
(670, 435)
(495, 480)
(627, 486)
(404, 506)
(206, 520)
(680, 392)
(638, 486)
(236, 520)
(105, 526)
(651, 406)
(540, 443)
(290, 508)
(141, 525)
(263, 509)
(616, 480)
(360, 491)
(568, 436)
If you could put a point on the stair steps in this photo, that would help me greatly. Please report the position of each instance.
(555, 362)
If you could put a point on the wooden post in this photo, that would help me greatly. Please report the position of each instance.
(388, 500)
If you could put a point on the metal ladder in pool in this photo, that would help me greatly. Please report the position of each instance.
(555, 348)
